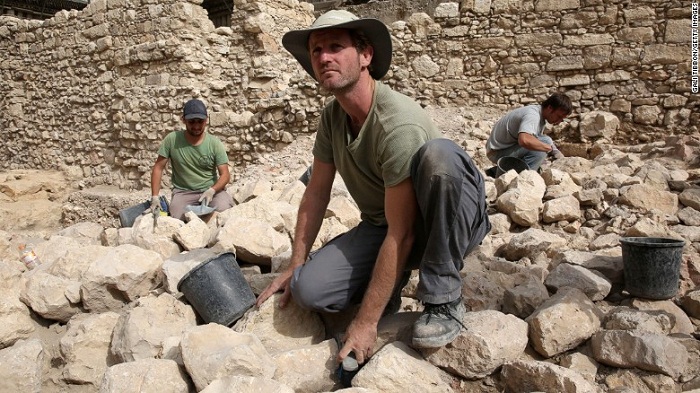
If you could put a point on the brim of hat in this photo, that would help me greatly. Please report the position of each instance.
(296, 42)
(195, 116)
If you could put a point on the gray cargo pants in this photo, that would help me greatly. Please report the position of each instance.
(452, 222)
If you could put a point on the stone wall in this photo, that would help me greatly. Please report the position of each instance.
(93, 92)
(629, 59)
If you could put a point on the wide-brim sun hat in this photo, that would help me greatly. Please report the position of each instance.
(296, 41)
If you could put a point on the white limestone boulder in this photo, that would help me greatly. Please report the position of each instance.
(158, 236)
(21, 369)
(282, 329)
(53, 297)
(537, 376)
(152, 329)
(646, 351)
(122, 275)
(213, 351)
(389, 370)
(563, 322)
(308, 369)
(85, 348)
(254, 241)
(146, 376)
(235, 383)
(480, 349)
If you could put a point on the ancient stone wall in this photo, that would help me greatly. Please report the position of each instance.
(94, 91)
(632, 59)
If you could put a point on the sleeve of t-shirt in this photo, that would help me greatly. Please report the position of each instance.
(323, 146)
(530, 123)
(166, 145)
(399, 147)
(220, 156)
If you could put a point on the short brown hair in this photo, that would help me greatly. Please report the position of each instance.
(360, 42)
(558, 101)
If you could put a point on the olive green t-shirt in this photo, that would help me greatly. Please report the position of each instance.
(380, 157)
(193, 167)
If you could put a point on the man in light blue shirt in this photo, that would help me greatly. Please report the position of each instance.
(519, 133)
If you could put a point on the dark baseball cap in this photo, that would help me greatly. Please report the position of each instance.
(194, 109)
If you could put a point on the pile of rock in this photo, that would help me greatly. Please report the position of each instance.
(545, 290)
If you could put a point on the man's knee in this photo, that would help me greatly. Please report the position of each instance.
(435, 149)
(222, 200)
(437, 156)
(307, 294)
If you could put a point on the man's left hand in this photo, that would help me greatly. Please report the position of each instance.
(207, 196)
(359, 338)
(556, 154)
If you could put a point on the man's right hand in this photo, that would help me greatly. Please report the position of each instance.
(555, 153)
(279, 283)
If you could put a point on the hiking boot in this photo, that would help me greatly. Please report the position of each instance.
(439, 324)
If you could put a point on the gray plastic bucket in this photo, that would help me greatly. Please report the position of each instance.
(217, 290)
(507, 163)
(652, 266)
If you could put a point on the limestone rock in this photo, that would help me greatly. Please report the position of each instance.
(562, 322)
(389, 369)
(85, 347)
(480, 349)
(146, 376)
(213, 351)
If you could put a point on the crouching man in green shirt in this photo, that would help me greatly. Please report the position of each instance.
(199, 165)
(421, 198)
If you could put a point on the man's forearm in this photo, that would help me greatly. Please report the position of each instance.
(156, 176)
(224, 178)
(389, 268)
(220, 185)
(310, 216)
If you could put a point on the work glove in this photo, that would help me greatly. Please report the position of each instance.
(155, 205)
(207, 196)
(555, 153)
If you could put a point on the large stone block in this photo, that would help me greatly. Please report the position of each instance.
(538, 40)
(636, 34)
(565, 63)
(575, 80)
(626, 56)
(477, 6)
(677, 30)
(638, 14)
(491, 43)
(556, 5)
(589, 40)
(596, 56)
(665, 54)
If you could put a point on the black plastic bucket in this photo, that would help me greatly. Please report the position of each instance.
(507, 163)
(217, 290)
(128, 215)
(652, 266)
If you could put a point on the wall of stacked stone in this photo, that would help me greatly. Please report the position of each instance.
(632, 59)
(93, 92)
